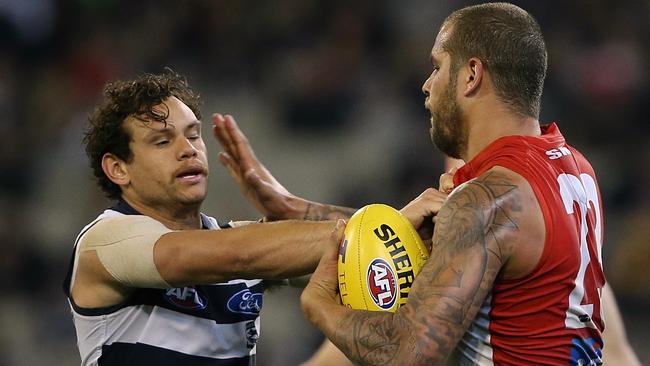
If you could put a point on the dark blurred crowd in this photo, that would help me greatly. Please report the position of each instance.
(329, 93)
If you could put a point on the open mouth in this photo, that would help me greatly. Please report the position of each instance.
(191, 174)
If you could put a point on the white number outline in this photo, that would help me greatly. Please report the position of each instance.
(582, 191)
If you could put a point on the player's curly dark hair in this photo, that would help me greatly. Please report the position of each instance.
(106, 132)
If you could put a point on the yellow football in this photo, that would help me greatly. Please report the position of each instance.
(379, 258)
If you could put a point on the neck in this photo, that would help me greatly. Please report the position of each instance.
(181, 217)
(490, 124)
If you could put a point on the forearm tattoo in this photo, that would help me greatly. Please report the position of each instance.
(319, 212)
(470, 244)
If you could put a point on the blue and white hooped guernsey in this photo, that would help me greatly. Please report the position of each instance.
(196, 325)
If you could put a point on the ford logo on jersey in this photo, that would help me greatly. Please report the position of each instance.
(245, 302)
(186, 297)
(381, 283)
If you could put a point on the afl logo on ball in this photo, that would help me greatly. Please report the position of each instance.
(382, 283)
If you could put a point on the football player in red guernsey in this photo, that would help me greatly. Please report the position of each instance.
(515, 275)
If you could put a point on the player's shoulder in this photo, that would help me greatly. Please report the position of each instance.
(495, 183)
(502, 203)
(498, 191)
(498, 174)
(113, 228)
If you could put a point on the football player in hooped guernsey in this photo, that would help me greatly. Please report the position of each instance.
(152, 280)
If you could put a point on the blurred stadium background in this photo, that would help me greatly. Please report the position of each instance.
(328, 93)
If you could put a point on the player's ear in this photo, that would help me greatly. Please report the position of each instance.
(474, 70)
(115, 169)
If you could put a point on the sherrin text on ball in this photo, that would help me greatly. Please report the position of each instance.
(379, 257)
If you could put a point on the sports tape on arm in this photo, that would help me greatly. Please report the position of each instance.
(124, 246)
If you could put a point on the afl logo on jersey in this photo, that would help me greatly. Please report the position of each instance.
(245, 302)
(186, 297)
(381, 283)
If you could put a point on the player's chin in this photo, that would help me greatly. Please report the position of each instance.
(193, 195)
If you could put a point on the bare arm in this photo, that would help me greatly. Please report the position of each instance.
(473, 239)
(258, 184)
(617, 350)
(269, 251)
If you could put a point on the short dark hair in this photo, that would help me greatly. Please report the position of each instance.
(136, 98)
(508, 40)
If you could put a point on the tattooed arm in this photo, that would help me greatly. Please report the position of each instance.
(477, 233)
(258, 184)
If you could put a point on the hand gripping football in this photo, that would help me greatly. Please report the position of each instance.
(379, 258)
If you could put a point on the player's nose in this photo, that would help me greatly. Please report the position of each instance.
(186, 149)
(426, 87)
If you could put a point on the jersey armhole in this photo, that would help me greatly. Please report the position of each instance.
(99, 311)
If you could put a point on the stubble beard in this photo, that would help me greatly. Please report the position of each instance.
(448, 130)
(191, 198)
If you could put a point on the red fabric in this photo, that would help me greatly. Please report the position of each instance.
(527, 316)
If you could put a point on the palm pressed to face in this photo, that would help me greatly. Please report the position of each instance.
(169, 167)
